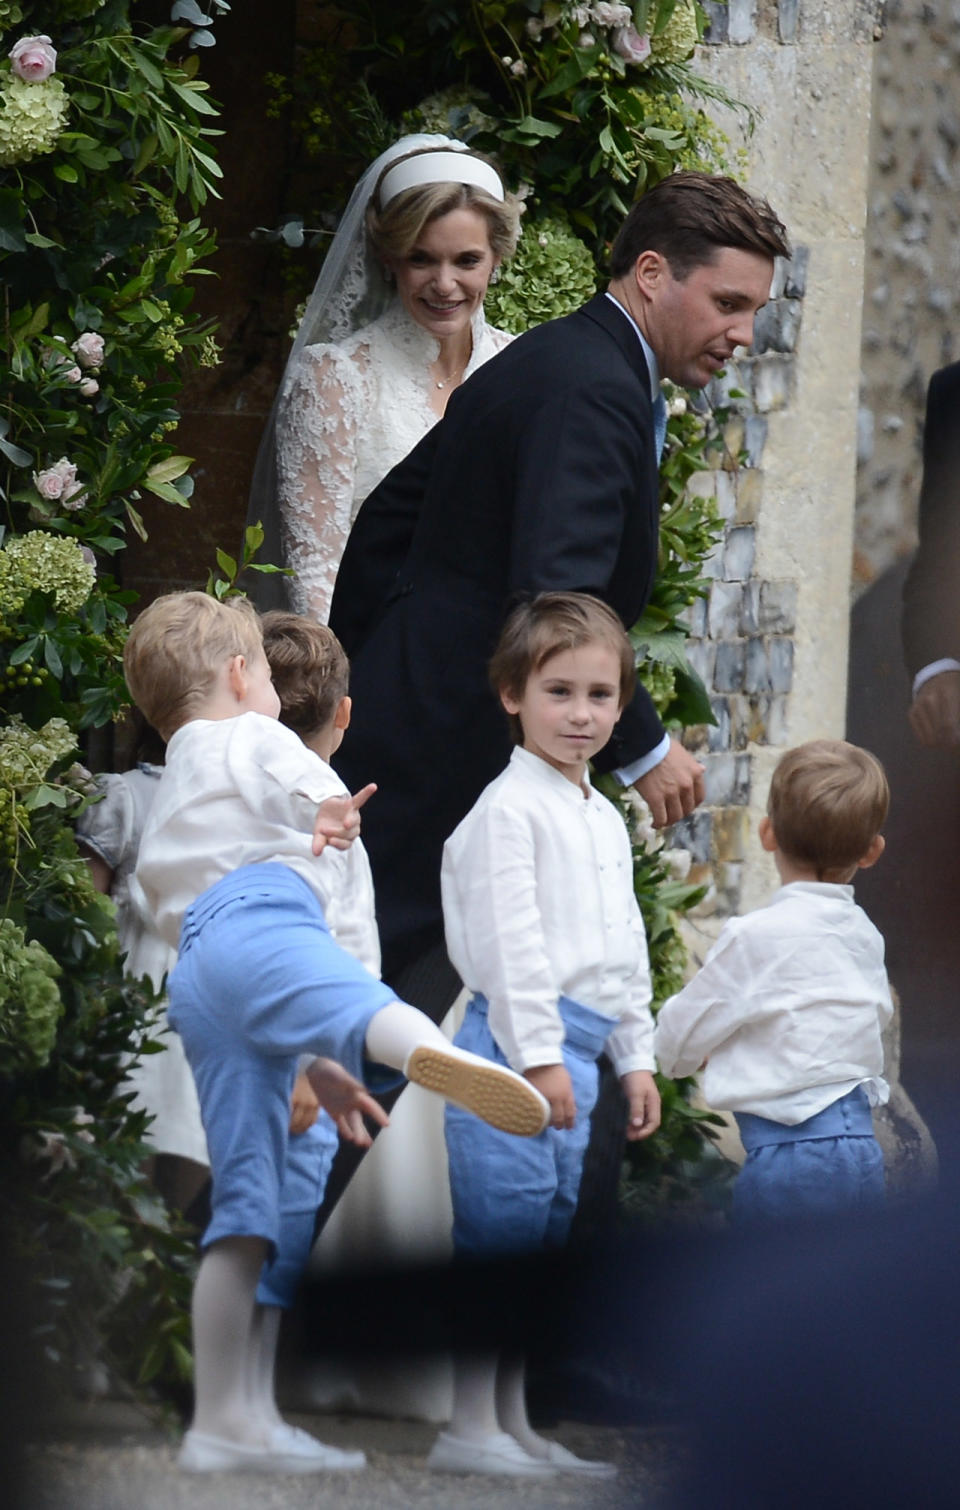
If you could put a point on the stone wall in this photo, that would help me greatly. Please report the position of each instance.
(912, 274)
(771, 641)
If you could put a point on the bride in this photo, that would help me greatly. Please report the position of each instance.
(394, 325)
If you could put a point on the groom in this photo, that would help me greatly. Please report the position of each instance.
(542, 475)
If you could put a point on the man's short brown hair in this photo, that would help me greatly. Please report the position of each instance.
(689, 217)
(547, 625)
(310, 669)
(176, 648)
(828, 801)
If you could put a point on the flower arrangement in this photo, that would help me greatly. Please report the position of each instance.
(106, 159)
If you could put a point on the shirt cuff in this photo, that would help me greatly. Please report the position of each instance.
(927, 673)
(632, 1062)
(628, 774)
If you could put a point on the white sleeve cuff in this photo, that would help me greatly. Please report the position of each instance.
(927, 673)
(628, 774)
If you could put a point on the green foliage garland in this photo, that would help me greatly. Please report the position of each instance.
(106, 160)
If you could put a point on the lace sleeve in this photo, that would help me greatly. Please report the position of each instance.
(317, 428)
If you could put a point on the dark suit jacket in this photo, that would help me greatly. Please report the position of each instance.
(931, 594)
(541, 475)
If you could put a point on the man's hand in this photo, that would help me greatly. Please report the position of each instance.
(935, 711)
(304, 1106)
(673, 788)
(553, 1081)
(346, 1100)
(641, 1092)
(338, 820)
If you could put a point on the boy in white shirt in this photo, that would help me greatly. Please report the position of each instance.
(543, 926)
(244, 847)
(786, 1014)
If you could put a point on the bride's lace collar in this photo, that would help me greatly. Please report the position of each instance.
(418, 344)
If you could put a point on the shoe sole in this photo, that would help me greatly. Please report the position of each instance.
(211, 1461)
(505, 1101)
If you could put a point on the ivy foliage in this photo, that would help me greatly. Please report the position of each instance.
(108, 155)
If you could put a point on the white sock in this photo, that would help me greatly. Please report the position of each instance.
(396, 1030)
(224, 1298)
(474, 1398)
(511, 1396)
(264, 1336)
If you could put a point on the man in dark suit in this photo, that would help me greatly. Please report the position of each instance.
(543, 474)
(931, 594)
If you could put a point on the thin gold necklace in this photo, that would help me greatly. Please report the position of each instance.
(448, 380)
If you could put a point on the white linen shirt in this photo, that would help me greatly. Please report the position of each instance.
(243, 791)
(538, 903)
(787, 1009)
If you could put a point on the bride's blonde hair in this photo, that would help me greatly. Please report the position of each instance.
(395, 230)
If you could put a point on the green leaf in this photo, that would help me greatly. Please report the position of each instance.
(169, 469)
(135, 519)
(19, 457)
(531, 126)
(226, 563)
(51, 656)
(146, 153)
(165, 491)
(67, 172)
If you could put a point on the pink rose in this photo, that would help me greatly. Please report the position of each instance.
(74, 498)
(628, 42)
(88, 349)
(33, 59)
(58, 481)
(71, 374)
(89, 386)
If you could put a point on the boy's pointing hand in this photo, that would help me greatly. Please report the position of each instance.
(338, 820)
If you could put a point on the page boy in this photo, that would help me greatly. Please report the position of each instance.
(789, 1006)
(543, 927)
(244, 848)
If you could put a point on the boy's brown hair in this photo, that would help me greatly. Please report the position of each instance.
(175, 650)
(547, 625)
(310, 670)
(828, 801)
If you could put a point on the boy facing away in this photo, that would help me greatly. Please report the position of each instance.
(786, 1014)
(543, 927)
(241, 857)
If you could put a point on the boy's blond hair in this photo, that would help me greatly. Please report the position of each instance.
(310, 670)
(176, 648)
(546, 626)
(828, 801)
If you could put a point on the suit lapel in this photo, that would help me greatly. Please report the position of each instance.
(602, 311)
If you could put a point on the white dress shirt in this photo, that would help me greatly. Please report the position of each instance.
(538, 903)
(787, 1009)
(242, 791)
(628, 774)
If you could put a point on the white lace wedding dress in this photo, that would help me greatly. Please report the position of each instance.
(348, 414)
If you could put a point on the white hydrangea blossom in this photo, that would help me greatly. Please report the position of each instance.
(32, 117)
(26, 754)
(41, 562)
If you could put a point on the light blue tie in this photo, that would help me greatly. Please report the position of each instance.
(659, 423)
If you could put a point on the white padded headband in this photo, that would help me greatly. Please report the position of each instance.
(439, 167)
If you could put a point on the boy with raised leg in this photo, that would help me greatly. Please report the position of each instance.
(240, 860)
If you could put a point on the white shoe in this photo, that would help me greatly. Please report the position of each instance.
(493, 1092)
(566, 1461)
(289, 1450)
(499, 1454)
